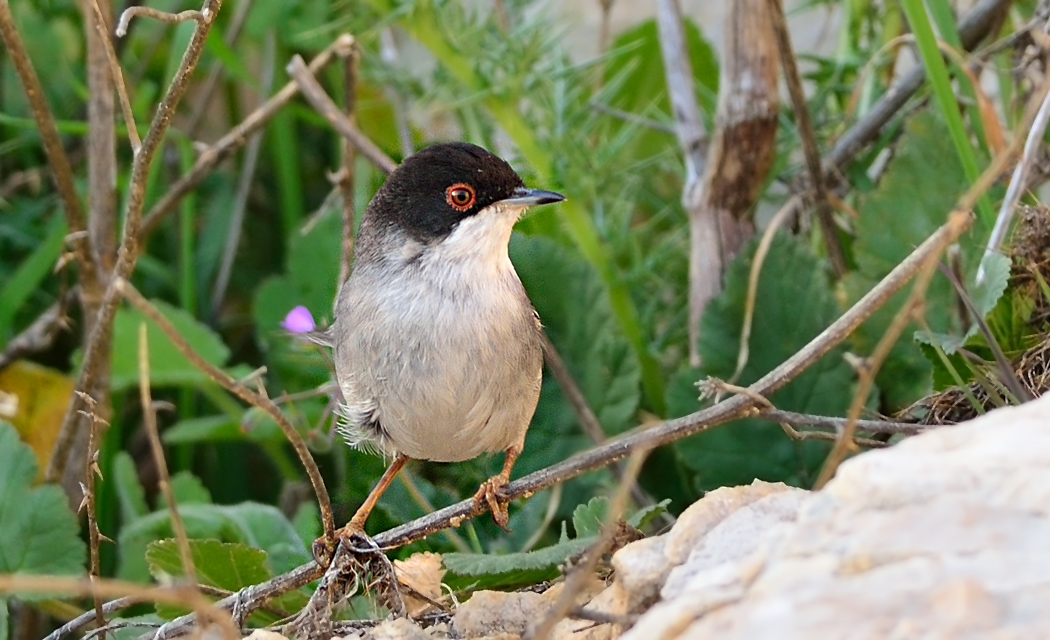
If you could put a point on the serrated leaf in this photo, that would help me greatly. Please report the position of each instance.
(226, 565)
(476, 564)
(574, 307)
(168, 367)
(641, 518)
(919, 188)
(984, 296)
(188, 489)
(38, 533)
(587, 519)
(257, 525)
(793, 305)
(130, 493)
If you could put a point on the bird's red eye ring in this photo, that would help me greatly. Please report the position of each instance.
(460, 196)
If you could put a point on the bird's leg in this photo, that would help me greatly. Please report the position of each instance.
(489, 492)
(356, 525)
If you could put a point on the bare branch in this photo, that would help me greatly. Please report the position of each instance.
(61, 171)
(96, 351)
(244, 393)
(202, 17)
(316, 95)
(235, 139)
(808, 138)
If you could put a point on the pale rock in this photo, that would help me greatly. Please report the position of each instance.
(642, 567)
(942, 536)
(398, 629)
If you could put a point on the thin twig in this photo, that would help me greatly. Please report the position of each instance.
(58, 161)
(180, 596)
(871, 426)
(347, 176)
(240, 203)
(101, 145)
(583, 570)
(118, 80)
(96, 352)
(111, 607)
(149, 416)
(873, 363)
(89, 503)
(244, 393)
(972, 29)
(1017, 182)
(41, 334)
(202, 17)
(233, 140)
(324, 105)
(808, 138)
(744, 352)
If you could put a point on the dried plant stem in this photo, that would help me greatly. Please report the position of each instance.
(202, 18)
(118, 78)
(89, 504)
(149, 416)
(96, 348)
(871, 426)
(128, 592)
(808, 138)
(585, 569)
(347, 176)
(912, 307)
(324, 105)
(57, 159)
(234, 140)
(244, 393)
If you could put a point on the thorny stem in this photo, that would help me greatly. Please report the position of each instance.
(127, 255)
(244, 393)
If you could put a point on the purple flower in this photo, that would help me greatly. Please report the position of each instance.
(299, 320)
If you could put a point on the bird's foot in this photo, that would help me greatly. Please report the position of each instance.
(491, 493)
(324, 549)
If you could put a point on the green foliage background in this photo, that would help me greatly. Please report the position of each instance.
(607, 270)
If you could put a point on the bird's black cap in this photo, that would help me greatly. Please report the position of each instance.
(435, 189)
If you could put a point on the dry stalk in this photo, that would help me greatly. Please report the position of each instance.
(96, 354)
(244, 393)
(324, 105)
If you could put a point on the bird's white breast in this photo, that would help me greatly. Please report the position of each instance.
(440, 343)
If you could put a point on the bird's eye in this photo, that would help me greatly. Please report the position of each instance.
(460, 196)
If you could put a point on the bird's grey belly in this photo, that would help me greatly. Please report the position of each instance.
(443, 381)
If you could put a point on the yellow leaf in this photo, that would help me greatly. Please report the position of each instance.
(34, 399)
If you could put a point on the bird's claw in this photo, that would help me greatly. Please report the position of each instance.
(323, 548)
(491, 493)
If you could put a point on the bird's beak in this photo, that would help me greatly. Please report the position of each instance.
(532, 197)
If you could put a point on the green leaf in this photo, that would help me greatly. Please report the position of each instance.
(225, 565)
(476, 564)
(912, 200)
(30, 274)
(130, 494)
(221, 428)
(588, 518)
(985, 296)
(793, 305)
(4, 622)
(38, 533)
(573, 304)
(168, 367)
(257, 525)
(188, 489)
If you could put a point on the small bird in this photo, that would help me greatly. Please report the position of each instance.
(438, 350)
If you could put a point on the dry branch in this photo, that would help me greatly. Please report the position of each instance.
(96, 352)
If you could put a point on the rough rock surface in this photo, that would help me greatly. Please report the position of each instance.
(942, 536)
